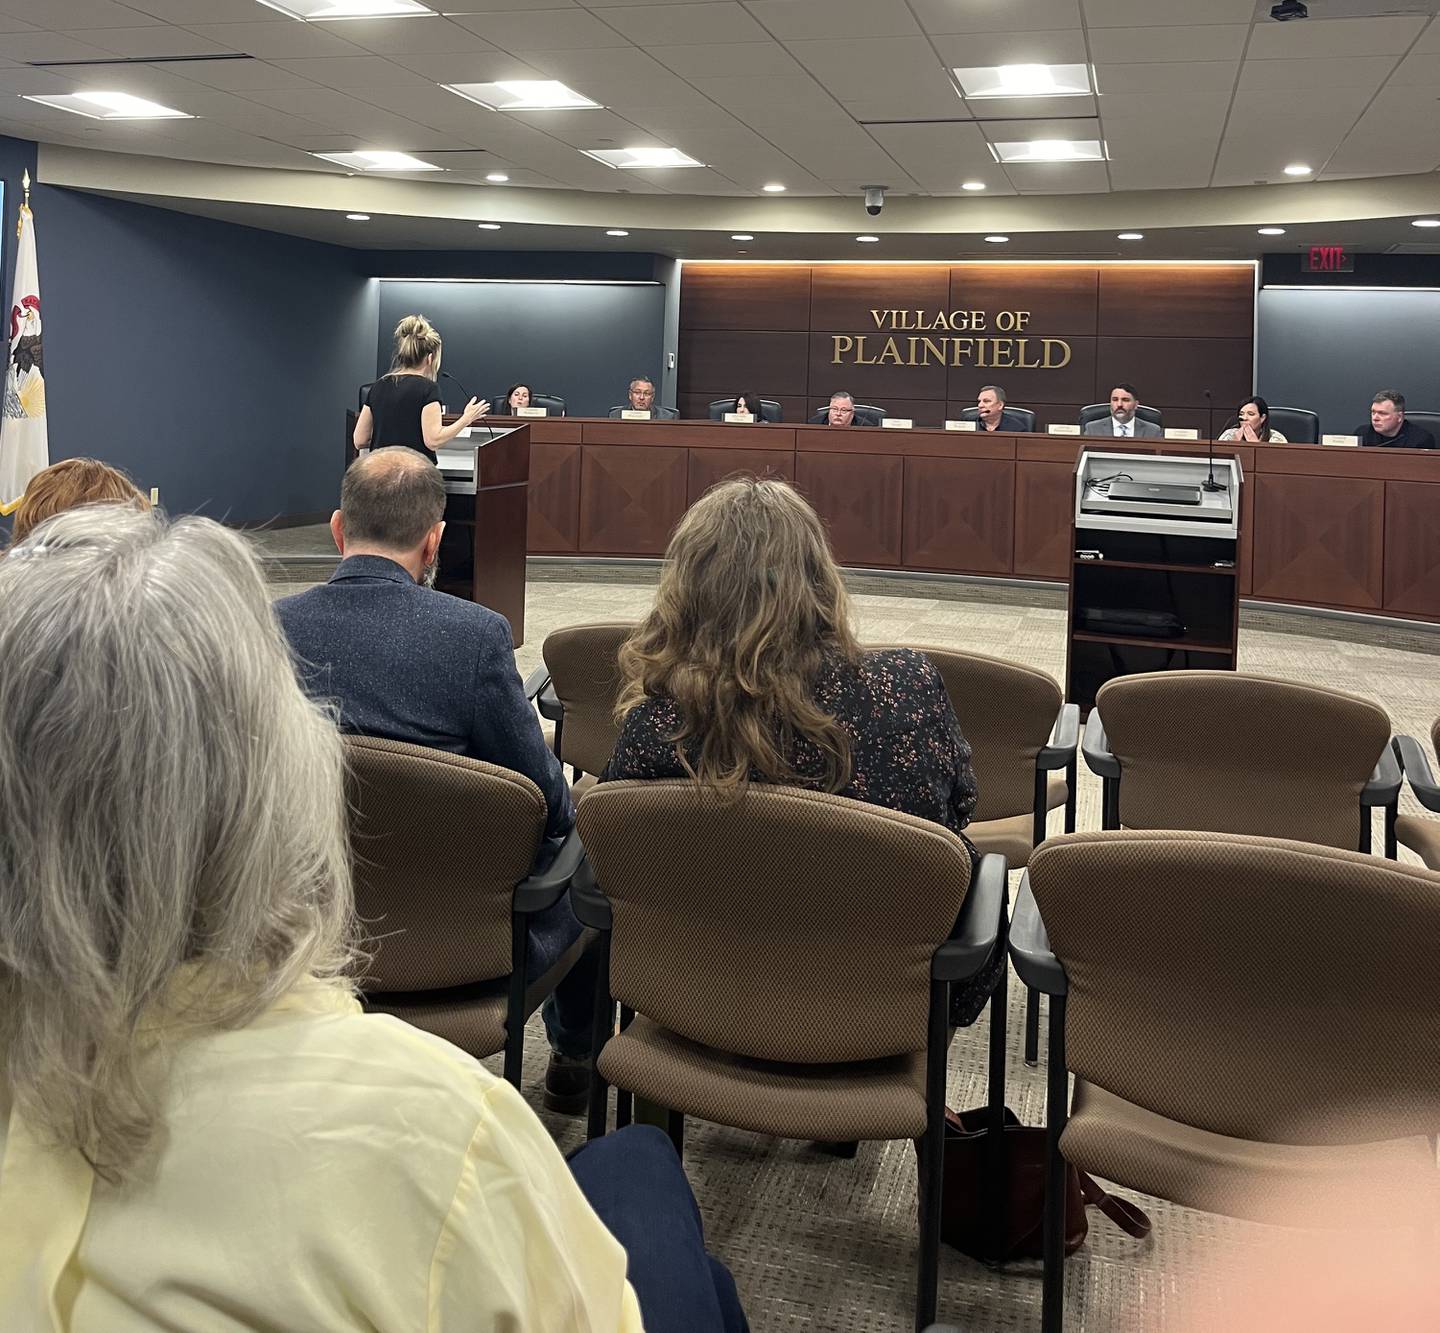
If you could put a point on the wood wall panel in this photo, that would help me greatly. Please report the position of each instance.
(843, 295)
(553, 522)
(1175, 370)
(958, 514)
(1044, 510)
(874, 384)
(716, 362)
(630, 498)
(1412, 548)
(1318, 542)
(707, 466)
(860, 497)
(1177, 301)
(746, 296)
(1061, 298)
(1029, 387)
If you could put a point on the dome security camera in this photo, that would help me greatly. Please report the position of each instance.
(874, 199)
(1287, 10)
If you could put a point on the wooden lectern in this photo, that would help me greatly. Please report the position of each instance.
(482, 555)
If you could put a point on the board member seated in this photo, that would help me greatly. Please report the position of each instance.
(749, 402)
(642, 399)
(69, 484)
(516, 396)
(1253, 424)
(1388, 428)
(1122, 420)
(404, 406)
(991, 413)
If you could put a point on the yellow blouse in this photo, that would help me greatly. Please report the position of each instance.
(321, 1170)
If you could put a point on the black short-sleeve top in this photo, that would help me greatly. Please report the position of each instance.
(395, 402)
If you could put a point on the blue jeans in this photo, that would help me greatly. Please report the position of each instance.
(569, 1010)
(634, 1181)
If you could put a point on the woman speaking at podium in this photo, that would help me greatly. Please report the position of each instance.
(404, 406)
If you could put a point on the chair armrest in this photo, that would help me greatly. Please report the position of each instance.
(980, 926)
(1095, 746)
(590, 904)
(1384, 785)
(1059, 750)
(1417, 771)
(536, 681)
(1030, 945)
(551, 709)
(546, 887)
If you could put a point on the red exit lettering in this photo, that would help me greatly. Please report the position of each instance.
(1327, 258)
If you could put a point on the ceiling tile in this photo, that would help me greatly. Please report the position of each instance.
(1163, 109)
(1167, 76)
(1158, 13)
(282, 39)
(590, 129)
(406, 36)
(240, 75)
(41, 46)
(1124, 46)
(698, 62)
(799, 19)
(1059, 177)
(352, 74)
(845, 64)
(1314, 104)
(1419, 68)
(1367, 72)
(543, 30)
(1053, 46)
(759, 99)
(939, 157)
(653, 26)
(1033, 108)
(197, 11)
(70, 15)
(468, 66)
(1333, 37)
(945, 16)
(157, 41)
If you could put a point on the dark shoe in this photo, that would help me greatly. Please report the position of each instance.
(845, 1148)
(567, 1084)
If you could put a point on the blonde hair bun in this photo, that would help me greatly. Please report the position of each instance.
(415, 339)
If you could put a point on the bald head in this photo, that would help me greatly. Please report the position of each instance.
(392, 503)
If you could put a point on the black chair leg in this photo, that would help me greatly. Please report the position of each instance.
(676, 1128)
(1391, 850)
(515, 1000)
(994, 1202)
(1057, 1109)
(1032, 1027)
(1071, 778)
(931, 1157)
(600, 1032)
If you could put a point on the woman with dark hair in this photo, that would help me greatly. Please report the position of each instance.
(516, 396)
(404, 406)
(750, 402)
(1253, 424)
(747, 670)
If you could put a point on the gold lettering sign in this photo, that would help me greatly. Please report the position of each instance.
(931, 340)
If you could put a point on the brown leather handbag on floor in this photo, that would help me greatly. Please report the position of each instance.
(963, 1223)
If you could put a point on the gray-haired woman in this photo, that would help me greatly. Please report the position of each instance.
(199, 1128)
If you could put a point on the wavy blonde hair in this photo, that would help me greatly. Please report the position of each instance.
(749, 606)
(415, 339)
(173, 854)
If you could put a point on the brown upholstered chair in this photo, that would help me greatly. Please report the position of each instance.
(1237, 753)
(1023, 738)
(577, 690)
(443, 849)
(1250, 1023)
(785, 963)
(1421, 836)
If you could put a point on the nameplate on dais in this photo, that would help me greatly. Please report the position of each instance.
(1347, 440)
(530, 411)
(744, 418)
(959, 425)
(1180, 433)
(1060, 428)
(632, 414)
(896, 423)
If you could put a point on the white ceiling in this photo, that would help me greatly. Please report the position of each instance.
(826, 96)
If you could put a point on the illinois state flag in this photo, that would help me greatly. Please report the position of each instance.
(24, 442)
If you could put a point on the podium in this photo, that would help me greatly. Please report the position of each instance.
(1154, 584)
(482, 554)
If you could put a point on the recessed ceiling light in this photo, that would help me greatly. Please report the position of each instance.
(378, 160)
(616, 231)
(488, 226)
(1025, 81)
(773, 188)
(1050, 150)
(313, 10)
(522, 95)
(997, 240)
(1272, 231)
(741, 236)
(973, 185)
(108, 106)
(1426, 222)
(357, 217)
(1297, 169)
(632, 159)
(869, 240)
(496, 177)
(1130, 236)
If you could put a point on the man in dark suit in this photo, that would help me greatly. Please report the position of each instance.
(642, 399)
(410, 664)
(1388, 428)
(991, 413)
(1122, 420)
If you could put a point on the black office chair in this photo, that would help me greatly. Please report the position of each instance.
(865, 415)
(1296, 424)
(1024, 413)
(769, 409)
(553, 406)
(1430, 420)
(1097, 410)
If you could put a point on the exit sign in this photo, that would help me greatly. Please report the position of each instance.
(1327, 259)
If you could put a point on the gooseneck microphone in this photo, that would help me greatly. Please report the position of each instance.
(1210, 484)
(445, 374)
